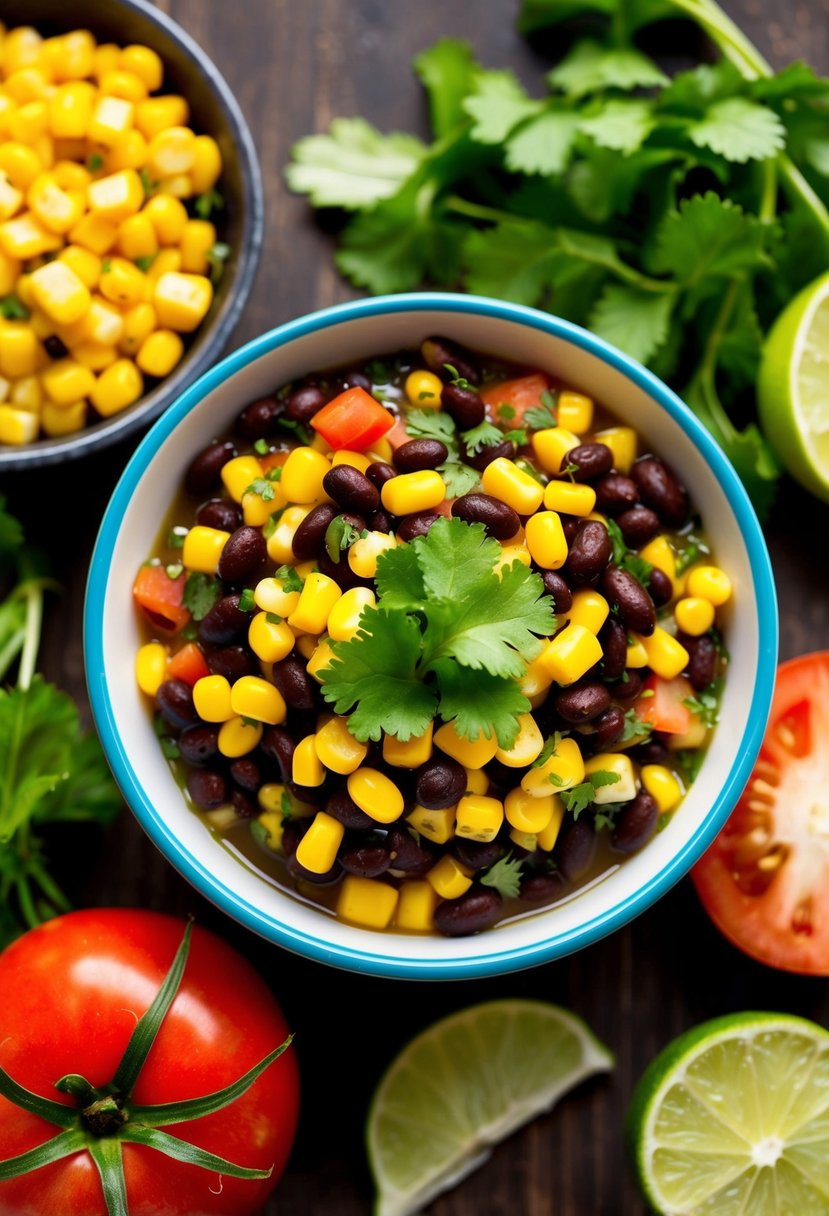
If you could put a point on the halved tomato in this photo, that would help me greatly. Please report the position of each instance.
(765, 880)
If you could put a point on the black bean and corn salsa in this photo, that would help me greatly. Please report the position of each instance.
(430, 641)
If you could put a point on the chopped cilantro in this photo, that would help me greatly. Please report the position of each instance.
(247, 603)
(286, 805)
(216, 256)
(507, 412)
(274, 474)
(263, 488)
(174, 570)
(543, 416)
(625, 558)
(144, 263)
(270, 525)
(456, 378)
(635, 728)
(296, 428)
(706, 704)
(175, 538)
(549, 749)
(289, 578)
(149, 186)
(200, 594)
(719, 645)
(459, 478)
(12, 308)
(505, 876)
(339, 535)
(485, 435)
(605, 818)
(259, 833)
(207, 203)
(518, 436)
(580, 796)
(432, 424)
(688, 762)
(95, 162)
(106, 265)
(261, 447)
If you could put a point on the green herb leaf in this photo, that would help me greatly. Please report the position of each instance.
(263, 488)
(637, 321)
(740, 130)
(200, 594)
(706, 704)
(580, 796)
(549, 749)
(247, 602)
(217, 255)
(448, 71)
(479, 703)
(289, 577)
(635, 728)
(621, 125)
(709, 235)
(460, 479)
(144, 263)
(207, 203)
(353, 166)
(95, 162)
(482, 436)
(543, 416)
(505, 876)
(591, 68)
(13, 309)
(544, 144)
(261, 447)
(431, 424)
(175, 538)
(497, 104)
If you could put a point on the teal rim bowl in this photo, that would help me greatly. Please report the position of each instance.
(347, 333)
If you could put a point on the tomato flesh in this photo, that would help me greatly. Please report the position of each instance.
(521, 394)
(188, 664)
(160, 597)
(765, 880)
(353, 420)
(662, 704)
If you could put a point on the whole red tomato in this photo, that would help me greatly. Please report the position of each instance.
(71, 993)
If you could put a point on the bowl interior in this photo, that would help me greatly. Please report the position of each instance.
(345, 335)
(213, 110)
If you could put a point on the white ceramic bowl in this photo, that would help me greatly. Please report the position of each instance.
(345, 335)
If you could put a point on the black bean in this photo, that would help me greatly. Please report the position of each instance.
(703, 661)
(499, 520)
(416, 525)
(319, 880)
(340, 571)
(610, 727)
(351, 489)
(246, 773)
(575, 848)
(297, 688)
(244, 552)
(232, 662)
(420, 454)
(354, 378)
(635, 824)
(203, 473)
(582, 702)
(379, 473)
(54, 347)
(310, 534)
(278, 745)
(175, 701)
(615, 493)
(207, 788)
(653, 751)
(379, 521)
(660, 489)
(660, 587)
(589, 552)
(311, 794)
(366, 860)
(438, 353)
(243, 804)
(439, 782)
(614, 642)
(505, 450)
(638, 525)
(473, 912)
(628, 687)
(570, 526)
(342, 807)
(199, 744)
(292, 832)
(304, 402)
(630, 599)
(542, 888)
(476, 854)
(555, 586)
(592, 460)
(406, 854)
(463, 405)
(221, 514)
(256, 419)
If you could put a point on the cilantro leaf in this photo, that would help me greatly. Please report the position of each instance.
(635, 728)
(200, 594)
(708, 235)
(456, 560)
(545, 415)
(706, 704)
(590, 68)
(549, 749)
(637, 321)
(482, 436)
(11, 533)
(580, 796)
(290, 578)
(459, 478)
(263, 488)
(510, 260)
(217, 255)
(497, 104)
(543, 144)
(447, 71)
(739, 130)
(620, 125)
(353, 166)
(505, 876)
(399, 580)
(536, 14)
(480, 703)
(13, 308)
(432, 424)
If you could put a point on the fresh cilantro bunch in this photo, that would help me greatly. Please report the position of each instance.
(674, 217)
(449, 638)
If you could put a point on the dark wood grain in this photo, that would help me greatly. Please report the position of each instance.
(293, 67)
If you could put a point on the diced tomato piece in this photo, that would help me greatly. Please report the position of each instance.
(521, 395)
(398, 434)
(160, 597)
(272, 460)
(353, 420)
(662, 703)
(188, 664)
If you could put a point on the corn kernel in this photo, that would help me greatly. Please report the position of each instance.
(256, 508)
(306, 767)
(253, 697)
(238, 737)
(26, 394)
(21, 47)
(273, 825)
(74, 56)
(659, 553)
(85, 264)
(363, 554)
(202, 549)
(20, 351)
(70, 110)
(317, 850)
(710, 583)
(536, 679)
(270, 640)
(197, 240)
(270, 595)
(171, 151)
(366, 902)
(168, 217)
(545, 540)
(469, 753)
(20, 164)
(317, 598)
(111, 118)
(106, 58)
(575, 412)
(29, 121)
(449, 878)
(151, 667)
(694, 615)
(138, 323)
(116, 196)
(589, 609)
(477, 781)
(375, 794)
(319, 659)
(560, 771)
(525, 840)
(17, 426)
(211, 697)
(636, 656)
(662, 786)
(666, 656)
(569, 498)
(129, 153)
(118, 83)
(66, 381)
(505, 481)
(527, 746)
(357, 460)
(181, 302)
(411, 492)
(548, 836)
(382, 450)
(56, 209)
(412, 753)
(207, 164)
(344, 618)
(510, 554)
(122, 282)
(159, 354)
(619, 764)
(571, 653)
(158, 113)
(94, 356)
(143, 62)
(416, 906)
(551, 446)
(622, 442)
(63, 419)
(270, 797)
(239, 473)
(103, 323)
(478, 817)
(94, 232)
(423, 389)
(302, 475)
(117, 387)
(337, 748)
(529, 814)
(59, 292)
(11, 199)
(24, 237)
(280, 542)
(437, 826)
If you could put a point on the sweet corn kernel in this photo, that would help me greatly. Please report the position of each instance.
(20, 350)
(528, 744)
(159, 354)
(694, 615)
(106, 58)
(589, 609)
(382, 450)
(411, 492)
(197, 240)
(21, 47)
(168, 217)
(510, 554)
(238, 473)
(171, 151)
(158, 113)
(122, 282)
(181, 301)
(59, 292)
(710, 583)
(575, 412)
(363, 554)
(375, 794)
(662, 786)
(74, 56)
(569, 498)
(524, 840)
(536, 679)
(571, 653)
(504, 480)
(416, 906)
(29, 121)
(62, 419)
(621, 766)
(26, 394)
(344, 618)
(270, 797)
(202, 549)
(437, 826)
(238, 737)
(366, 902)
(94, 232)
(317, 851)
(273, 825)
(470, 753)
(116, 196)
(666, 656)
(129, 153)
(529, 814)
(85, 264)
(143, 62)
(449, 878)
(622, 442)
(551, 446)
(138, 323)
(423, 389)
(117, 387)
(17, 426)
(281, 541)
(479, 817)
(94, 356)
(103, 323)
(25, 85)
(545, 540)
(337, 748)
(637, 656)
(548, 836)
(71, 176)
(412, 753)
(65, 380)
(211, 697)
(659, 553)
(256, 508)
(55, 208)
(19, 163)
(24, 237)
(560, 771)
(306, 767)
(207, 164)
(118, 83)
(270, 595)
(320, 657)
(357, 460)
(316, 600)
(110, 119)
(151, 667)
(70, 109)
(253, 697)
(302, 475)
(11, 199)
(270, 640)
(477, 781)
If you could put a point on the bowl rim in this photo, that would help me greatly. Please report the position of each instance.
(50, 450)
(382, 961)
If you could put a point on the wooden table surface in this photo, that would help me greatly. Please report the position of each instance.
(293, 67)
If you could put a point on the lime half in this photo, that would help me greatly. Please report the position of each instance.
(463, 1085)
(732, 1119)
(793, 387)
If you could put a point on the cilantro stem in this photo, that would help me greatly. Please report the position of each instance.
(34, 621)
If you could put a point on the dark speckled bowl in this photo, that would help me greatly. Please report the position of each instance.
(214, 111)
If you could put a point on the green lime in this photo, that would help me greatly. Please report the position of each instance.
(732, 1119)
(793, 387)
(464, 1084)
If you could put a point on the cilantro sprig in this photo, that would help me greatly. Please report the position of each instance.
(505, 876)
(706, 704)
(448, 638)
(581, 796)
(625, 558)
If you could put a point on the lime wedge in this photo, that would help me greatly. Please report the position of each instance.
(464, 1084)
(732, 1119)
(793, 387)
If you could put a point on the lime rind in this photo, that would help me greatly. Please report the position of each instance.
(771, 1110)
(464, 1085)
